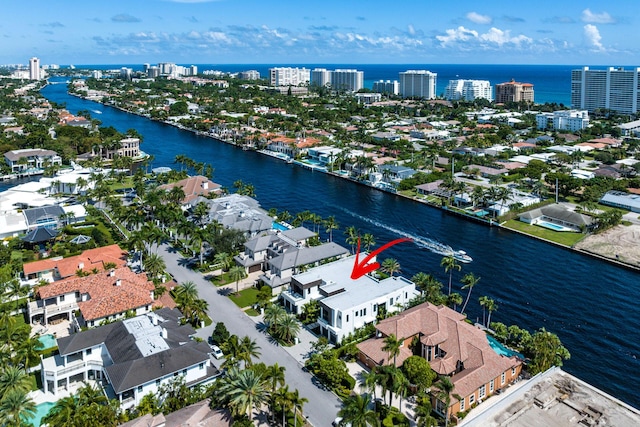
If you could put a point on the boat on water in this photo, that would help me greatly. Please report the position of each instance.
(444, 250)
(462, 256)
(97, 111)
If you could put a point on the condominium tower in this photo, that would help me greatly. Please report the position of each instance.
(288, 76)
(347, 80)
(387, 86)
(320, 77)
(468, 90)
(34, 69)
(418, 84)
(514, 91)
(610, 89)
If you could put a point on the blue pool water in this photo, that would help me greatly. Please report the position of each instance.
(551, 226)
(47, 341)
(501, 349)
(41, 410)
(313, 162)
(277, 226)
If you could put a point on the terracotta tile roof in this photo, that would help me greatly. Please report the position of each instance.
(109, 293)
(86, 261)
(461, 342)
(165, 300)
(194, 187)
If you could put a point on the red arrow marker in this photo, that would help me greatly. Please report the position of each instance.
(362, 268)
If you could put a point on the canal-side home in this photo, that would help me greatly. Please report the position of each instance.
(452, 347)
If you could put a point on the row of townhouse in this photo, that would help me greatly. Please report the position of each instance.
(131, 358)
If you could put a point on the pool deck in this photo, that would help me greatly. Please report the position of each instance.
(62, 329)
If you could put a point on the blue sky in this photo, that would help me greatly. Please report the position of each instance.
(330, 31)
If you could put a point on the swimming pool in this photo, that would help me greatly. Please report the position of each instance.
(47, 341)
(277, 226)
(501, 349)
(41, 410)
(552, 226)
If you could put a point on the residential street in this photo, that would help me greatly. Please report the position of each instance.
(322, 406)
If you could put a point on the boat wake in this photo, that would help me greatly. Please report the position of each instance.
(420, 241)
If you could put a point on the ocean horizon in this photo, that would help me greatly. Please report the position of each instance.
(551, 83)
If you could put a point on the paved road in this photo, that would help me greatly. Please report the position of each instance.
(322, 406)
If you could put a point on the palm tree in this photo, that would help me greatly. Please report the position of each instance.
(248, 350)
(392, 346)
(288, 328)
(369, 381)
(491, 306)
(355, 412)
(273, 315)
(353, 236)
(423, 411)
(469, 281)
(13, 378)
(297, 402)
(223, 259)
(237, 273)
(454, 300)
(27, 352)
(244, 390)
(445, 387)
(368, 240)
(274, 376)
(283, 399)
(331, 224)
(62, 413)
(154, 264)
(390, 266)
(186, 296)
(483, 303)
(16, 408)
(450, 263)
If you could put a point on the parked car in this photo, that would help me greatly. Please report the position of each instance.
(217, 353)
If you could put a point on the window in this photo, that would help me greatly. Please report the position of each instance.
(184, 372)
(61, 298)
(513, 371)
(472, 399)
(201, 366)
(482, 391)
(347, 317)
(357, 313)
(502, 378)
(364, 312)
(391, 301)
(491, 386)
(88, 352)
(157, 383)
(139, 389)
(461, 405)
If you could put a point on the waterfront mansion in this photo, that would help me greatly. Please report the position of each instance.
(347, 304)
(453, 348)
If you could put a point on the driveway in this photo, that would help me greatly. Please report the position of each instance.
(322, 407)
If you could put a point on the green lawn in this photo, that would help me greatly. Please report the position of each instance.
(561, 237)
(246, 297)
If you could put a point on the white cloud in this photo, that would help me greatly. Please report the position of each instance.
(412, 30)
(458, 34)
(491, 39)
(500, 37)
(597, 18)
(476, 18)
(593, 37)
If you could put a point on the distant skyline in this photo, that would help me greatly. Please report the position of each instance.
(589, 33)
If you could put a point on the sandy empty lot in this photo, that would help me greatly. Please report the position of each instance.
(621, 243)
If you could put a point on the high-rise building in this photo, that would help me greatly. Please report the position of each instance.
(34, 69)
(418, 84)
(320, 77)
(514, 91)
(288, 76)
(468, 90)
(347, 80)
(386, 86)
(193, 70)
(610, 89)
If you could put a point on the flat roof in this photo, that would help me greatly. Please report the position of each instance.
(552, 398)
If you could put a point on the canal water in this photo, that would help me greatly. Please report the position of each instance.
(590, 304)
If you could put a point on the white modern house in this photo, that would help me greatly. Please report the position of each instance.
(31, 159)
(347, 304)
(131, 358)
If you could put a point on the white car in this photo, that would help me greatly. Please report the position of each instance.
(217, 353)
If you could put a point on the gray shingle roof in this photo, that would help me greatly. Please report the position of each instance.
(33, 215)
(302, 256)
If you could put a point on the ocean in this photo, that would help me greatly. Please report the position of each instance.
(551, 83)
